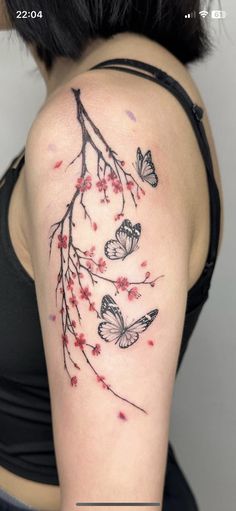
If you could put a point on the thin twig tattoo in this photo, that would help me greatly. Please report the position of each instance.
(75, 264)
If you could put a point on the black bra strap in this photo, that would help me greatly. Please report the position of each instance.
(195, 114)
(20, 159)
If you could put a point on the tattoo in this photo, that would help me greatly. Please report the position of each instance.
(143, 264)
(131, 115)
(52, 147)
(80, 270)
(114, 328)
(145, 168)
(52, 317)
(122, 416)
(127, 237)
(57, 164)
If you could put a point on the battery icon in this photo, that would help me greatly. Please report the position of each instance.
(218, 14)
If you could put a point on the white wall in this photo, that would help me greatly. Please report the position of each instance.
(203, 425)
(21, 93)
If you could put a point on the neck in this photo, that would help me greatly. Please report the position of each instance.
(65, 69)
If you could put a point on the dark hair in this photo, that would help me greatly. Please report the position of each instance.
(66, 30)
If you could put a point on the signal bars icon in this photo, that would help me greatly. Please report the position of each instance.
(190, 14)
(193, 14)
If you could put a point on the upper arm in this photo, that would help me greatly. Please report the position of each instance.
(110, 257)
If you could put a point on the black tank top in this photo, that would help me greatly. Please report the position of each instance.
(26, 438)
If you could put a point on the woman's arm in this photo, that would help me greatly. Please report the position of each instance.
(110, 238)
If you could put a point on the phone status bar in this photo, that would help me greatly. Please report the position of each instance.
(215, 14)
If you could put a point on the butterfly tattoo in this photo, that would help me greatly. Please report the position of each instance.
(113, 327)
(145, 168)
(126, 242)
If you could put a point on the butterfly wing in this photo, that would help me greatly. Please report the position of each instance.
(148, 172)
(136, 236)
(128, 338)
(152, 179)
(114, 250)
(124, 232)
(113, 325)
(131, 333)
(108, 332)
(128, 236)
(139, 161)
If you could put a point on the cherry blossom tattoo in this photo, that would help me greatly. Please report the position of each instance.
(79, 270)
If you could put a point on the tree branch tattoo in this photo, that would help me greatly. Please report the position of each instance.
(76, 266)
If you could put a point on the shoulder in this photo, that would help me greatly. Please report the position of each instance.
(96, 124)
(132, 115)
(128, 116)
(128, 111)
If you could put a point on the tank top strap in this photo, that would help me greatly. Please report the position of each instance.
(195, 114)
(13, 168)
(19, 161)
(7, 184)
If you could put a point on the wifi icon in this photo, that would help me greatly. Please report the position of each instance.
(203, 14)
